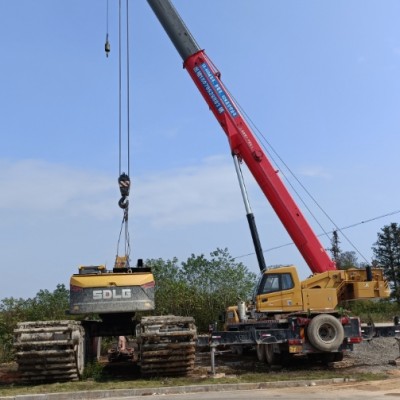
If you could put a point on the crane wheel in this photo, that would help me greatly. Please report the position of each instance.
(260, 348)
(325, 332)
(271, 358)
(237, 350)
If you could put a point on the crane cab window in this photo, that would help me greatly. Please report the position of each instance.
(275, 282)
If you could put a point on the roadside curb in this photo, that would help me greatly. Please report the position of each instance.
(106, 394)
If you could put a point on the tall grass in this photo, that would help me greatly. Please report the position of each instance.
(370, 311)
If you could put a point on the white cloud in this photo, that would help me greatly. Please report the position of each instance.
(55, 217)
(314, 171)
(191, 195)
(178, 197)
(36, 186)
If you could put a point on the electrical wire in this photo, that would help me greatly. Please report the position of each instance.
(322, 234)
(262, 139)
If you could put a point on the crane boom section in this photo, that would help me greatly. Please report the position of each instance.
(241, 139)
(244, 144)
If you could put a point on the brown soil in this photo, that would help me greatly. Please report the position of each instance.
(8, 373)
(376, 356)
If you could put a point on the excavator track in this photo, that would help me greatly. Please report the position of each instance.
(167, 345)
(49, 351)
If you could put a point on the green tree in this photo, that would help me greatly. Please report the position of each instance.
(201, 287)
(387, 254)
(172, 294)
(48, 305)
(44, 306)
(335, 248)
(348, 259)
(218, 282)
(12, 311)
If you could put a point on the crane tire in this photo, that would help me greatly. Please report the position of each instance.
(260, 352)
(237, 350)
(325, 332)
(338, 356)
(271, 358)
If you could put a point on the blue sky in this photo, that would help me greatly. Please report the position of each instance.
(320, 80)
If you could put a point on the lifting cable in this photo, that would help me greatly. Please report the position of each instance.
(263, 142)
(123, 179)
(107, 47)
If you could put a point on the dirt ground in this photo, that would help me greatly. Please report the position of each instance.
(375, 356)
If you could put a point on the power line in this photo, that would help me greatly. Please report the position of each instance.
(325, 233)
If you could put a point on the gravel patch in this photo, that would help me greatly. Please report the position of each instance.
(375, 354)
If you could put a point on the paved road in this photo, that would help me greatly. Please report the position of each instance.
(384, 390)
(335, 389)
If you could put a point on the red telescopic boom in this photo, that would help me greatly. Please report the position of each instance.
(241, 139)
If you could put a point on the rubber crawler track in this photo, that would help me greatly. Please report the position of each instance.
(167, 345)
(49, 351)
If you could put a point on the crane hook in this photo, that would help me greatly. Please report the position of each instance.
(123, 202)
(124, 186)
(107, 46)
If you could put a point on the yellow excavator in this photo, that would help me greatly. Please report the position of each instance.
(49, 351)
(53, 351)
(107, 303)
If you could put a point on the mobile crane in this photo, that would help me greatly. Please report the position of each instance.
(287, 316)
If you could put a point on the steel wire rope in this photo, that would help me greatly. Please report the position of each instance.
(262, 139)
(107, 16)
(125, 219)
(128, 87)
(107, 47)
(120, 233)
(127, 239)
(120, 102)
(119, 89)
(310, 196)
